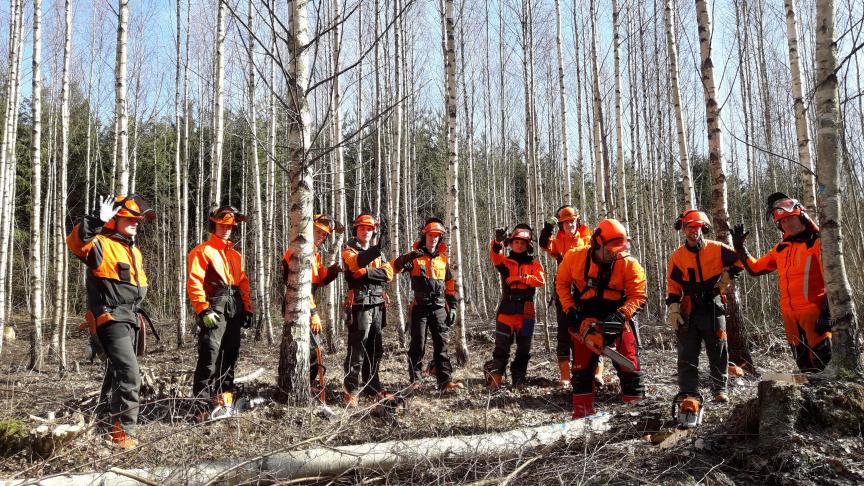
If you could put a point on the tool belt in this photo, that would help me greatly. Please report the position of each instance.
(517, 295)
(226, 291)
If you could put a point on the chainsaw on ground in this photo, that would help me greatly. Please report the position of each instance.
(687, 410)
(592, 336)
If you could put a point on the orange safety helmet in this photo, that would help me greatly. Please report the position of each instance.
(610, 231)
(365, 219)
(224, 215)
(692, 217)
(522, 232)
(324, 223)
(781, 206)
(567, 213)
(133, 206)
(433, 226)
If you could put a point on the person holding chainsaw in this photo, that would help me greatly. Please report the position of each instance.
(218, 289)
(323, 227)
(434, 305)
(366, 273)
(798, 262)
(572, 233)
(698, 274)
(520, 274)
(601, 288)
(116, 287)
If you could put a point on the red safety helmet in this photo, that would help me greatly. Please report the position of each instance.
(567, 213)
(691, 217)
(133, 206)
(433, 226)
(611, 233)
(522, 232)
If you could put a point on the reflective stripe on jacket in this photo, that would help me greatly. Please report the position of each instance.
(798, 262)
(214, 266)
(599, 290)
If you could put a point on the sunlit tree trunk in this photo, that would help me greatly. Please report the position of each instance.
(218, 110)
(621, 211)
(180, 246)
(600, 178)
(121, 126)
(808, 195)
(36, 312)
(562, 92)
(683, 155)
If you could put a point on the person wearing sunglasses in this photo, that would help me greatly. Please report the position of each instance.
(218, 289)
(116, 286)
(797, 259)
(603, 286)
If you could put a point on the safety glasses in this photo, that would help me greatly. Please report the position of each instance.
(784, 208)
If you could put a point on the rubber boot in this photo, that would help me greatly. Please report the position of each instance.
(564, 366)
(495, 380)
(598, 372)
(583, 405)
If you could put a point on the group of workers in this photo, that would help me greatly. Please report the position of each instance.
(599, 290)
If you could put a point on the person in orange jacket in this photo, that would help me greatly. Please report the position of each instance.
(572, 233)
(603, 285)
(698, 273)
(798, 262)
(323, 227)
(219, 292)
(366, 273)
(116, 287)
(521, 274)
(434, 305)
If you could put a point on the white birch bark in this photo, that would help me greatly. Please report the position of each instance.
(121, 124)
(562, 93)
(683, 155)
(621, 212)
(808, 194)
(180, 244)
(36, 311)
(218, 109)
(600, 182)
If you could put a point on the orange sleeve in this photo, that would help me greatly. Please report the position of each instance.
(76, 245)
(536, 278)
(496, 255)
(564, 281)
(321, 270)
(635, 287)
(197, 266)
(388, 269)
(286, 260)
(762, 266)
(244, 288)
(349, 256)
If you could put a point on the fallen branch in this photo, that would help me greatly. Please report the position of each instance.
(250, 376)
(335, 461)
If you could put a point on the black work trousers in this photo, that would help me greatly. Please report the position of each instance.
(218, 349)
(122, 376)
(429, 320)
(504, 338)
(706, 323)
(365, 349)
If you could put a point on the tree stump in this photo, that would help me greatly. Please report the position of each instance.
(779, 409)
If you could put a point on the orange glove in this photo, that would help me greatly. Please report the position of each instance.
(359, 273)
(315, 324)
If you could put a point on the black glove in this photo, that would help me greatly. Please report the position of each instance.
(574, 320)
(546, 232)
(613, 326)
(500, 234)
(823, 324)
(738, 236)
(248, 319)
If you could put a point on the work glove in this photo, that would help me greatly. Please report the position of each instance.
(500, 234)
(613, 326)
(211, 318)
(248, 319)
(315, 323)
(674, 317)
(823, 324)
(574, 320)
(738, 236)
(724, 282)
(107, 209)
(551, 222)
(451, 316)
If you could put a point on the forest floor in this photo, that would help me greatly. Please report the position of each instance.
(724, 450)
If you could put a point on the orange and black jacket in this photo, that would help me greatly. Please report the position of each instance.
(600, 289)
(116, 283)
(525, 268)
(321, 275)
(431, 278)
(367, 289)
(562, 243)
(215, 269)
(693, 272)
(798, 262)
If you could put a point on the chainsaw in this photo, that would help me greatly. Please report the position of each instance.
(592, 336)
(687, 410)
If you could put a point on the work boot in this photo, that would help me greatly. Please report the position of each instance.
(494, 380)
(721, 397)
(598, 373)
(583, 405)
(564, 367)
(452, 386)
(735, 371)
(121, 439)
(351, 400)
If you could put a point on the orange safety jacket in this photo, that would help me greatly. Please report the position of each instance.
(321, 275)
(366, 272)
(563, 242)
(215, 267)
(116, 282)
(431, 279)
(525, 275)
(693, 273)
(798, 262)
(600, 289)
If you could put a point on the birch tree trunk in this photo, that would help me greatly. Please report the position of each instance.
(600, 185)
(395, 178)
(846, 339)
(293, 379)
(121, 134)
(180, 245)
(36, 349)
(806, 169)
(683, 155)
(619, 135)
(218, 110)
(562, 92)
(739, 351)
(453, 177)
